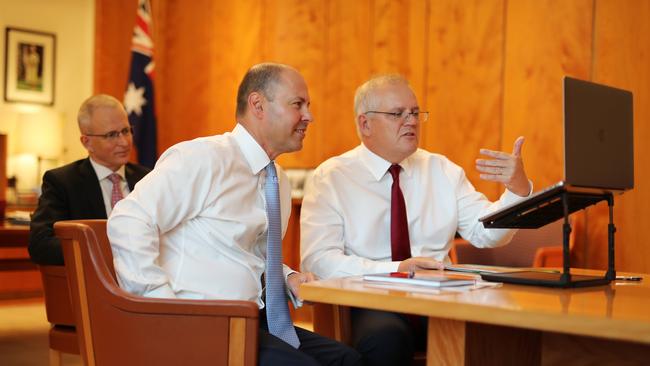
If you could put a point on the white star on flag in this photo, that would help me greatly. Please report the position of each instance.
(134, 99)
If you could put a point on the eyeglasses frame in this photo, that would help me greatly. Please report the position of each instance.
(113, 135)
(403, 116)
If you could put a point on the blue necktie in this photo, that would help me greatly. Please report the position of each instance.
(277, 311)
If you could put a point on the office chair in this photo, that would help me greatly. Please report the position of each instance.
(118, 328)
(529, 248)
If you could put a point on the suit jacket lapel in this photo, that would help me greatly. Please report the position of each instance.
(92, 189)
(131, 179)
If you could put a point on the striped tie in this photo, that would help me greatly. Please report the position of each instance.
(277, 311)
(116, 192)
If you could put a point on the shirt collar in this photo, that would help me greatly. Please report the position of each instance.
(255, 156)
(103, 172)
(378, 166)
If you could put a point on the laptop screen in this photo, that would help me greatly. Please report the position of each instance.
(598, 136)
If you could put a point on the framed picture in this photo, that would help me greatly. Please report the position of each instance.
(29, 66)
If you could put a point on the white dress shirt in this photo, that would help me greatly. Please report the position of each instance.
(196, 226)
(345, 217)
(107, 186)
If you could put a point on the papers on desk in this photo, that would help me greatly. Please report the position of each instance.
(428, 282)
(19, 217)
(429, 278)
(479, 284)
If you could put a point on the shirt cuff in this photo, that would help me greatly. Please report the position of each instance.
(286, 270)
(387, 267)
(509, 197)
(296, 302)
(162, 292)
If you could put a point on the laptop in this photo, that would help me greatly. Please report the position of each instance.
(598, 162)
(598, 156)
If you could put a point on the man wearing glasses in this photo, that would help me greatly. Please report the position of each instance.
(388, 206)
(90, 187)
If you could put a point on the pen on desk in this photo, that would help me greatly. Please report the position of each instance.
(629, 278)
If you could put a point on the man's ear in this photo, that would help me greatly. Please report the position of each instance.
(363, 124)
(85, 141)
(255, 104)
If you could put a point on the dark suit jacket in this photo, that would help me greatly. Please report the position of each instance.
(71, 192)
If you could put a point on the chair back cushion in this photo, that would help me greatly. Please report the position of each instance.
(520, 252)
(118, 328)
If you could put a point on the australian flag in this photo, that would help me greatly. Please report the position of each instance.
(139, 97)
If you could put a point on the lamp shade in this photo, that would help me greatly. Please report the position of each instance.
(39, 133)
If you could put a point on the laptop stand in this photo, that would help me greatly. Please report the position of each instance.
(547, 211)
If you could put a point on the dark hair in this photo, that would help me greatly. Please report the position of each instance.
(258, 78)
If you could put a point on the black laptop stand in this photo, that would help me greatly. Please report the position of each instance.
(543, 212)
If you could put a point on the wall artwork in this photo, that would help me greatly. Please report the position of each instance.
(29, 66)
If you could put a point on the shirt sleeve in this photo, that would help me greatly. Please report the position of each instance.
(172, 193)
(472, 205)
(322, 247)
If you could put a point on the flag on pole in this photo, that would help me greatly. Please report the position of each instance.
(139, 96)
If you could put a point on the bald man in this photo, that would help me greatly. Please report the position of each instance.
(86, 188)
(207, 222)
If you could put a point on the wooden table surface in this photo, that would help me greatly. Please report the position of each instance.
(19, 276)
(13, 235)
(619, 311)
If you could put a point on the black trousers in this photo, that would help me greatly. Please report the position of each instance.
(314, 350)
(387, 339)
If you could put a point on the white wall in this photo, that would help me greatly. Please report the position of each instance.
(73, 23)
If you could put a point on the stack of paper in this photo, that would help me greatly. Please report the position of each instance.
(429, 278)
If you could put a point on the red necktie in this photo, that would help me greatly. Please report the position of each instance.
(116, 192)
(400, 244)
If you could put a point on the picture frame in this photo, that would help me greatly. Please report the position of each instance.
(29, 66)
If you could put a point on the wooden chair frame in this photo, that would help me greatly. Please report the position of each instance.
(118, 328)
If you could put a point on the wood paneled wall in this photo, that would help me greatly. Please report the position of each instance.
(488, 71)
(622, 58)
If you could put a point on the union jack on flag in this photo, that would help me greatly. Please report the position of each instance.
(139, 96)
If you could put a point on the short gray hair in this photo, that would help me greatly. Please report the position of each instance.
(259, 78)
(363, 98)
(89, 106)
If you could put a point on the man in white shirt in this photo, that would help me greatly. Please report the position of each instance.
(355, 220)
(84, 189)
(198, 226)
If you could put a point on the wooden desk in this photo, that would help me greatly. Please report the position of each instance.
(514, 325)
(13, 247)
(19, 277)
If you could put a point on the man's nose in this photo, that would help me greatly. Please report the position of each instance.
(307, 116)
(410, 120)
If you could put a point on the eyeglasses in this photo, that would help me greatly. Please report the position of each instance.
(404, 115)
(113, 135)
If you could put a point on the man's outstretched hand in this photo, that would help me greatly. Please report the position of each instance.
(505, 168)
